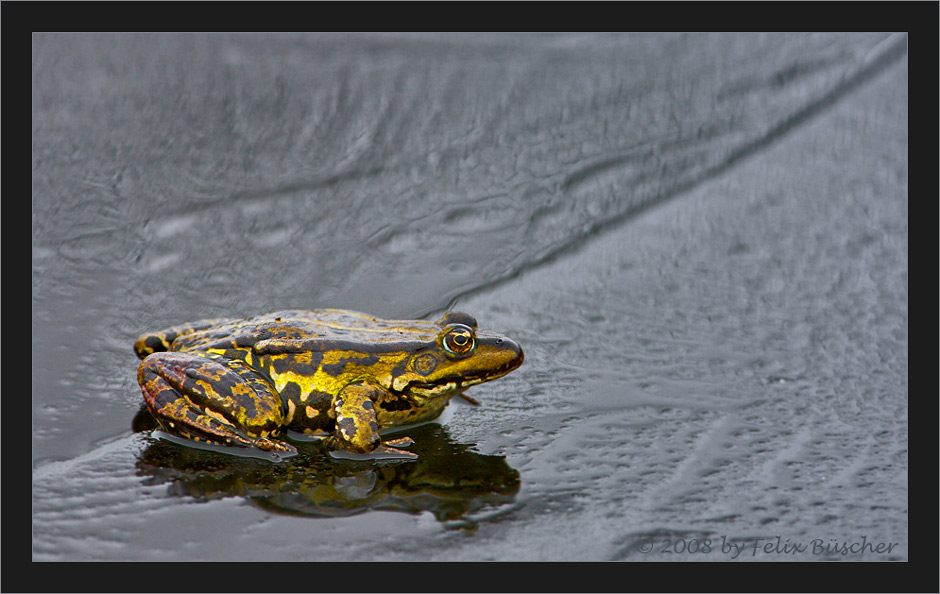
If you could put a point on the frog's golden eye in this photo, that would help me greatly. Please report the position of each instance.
(459, 340)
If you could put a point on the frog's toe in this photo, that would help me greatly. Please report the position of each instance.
(384, 451)
(466, 398)
(401, 442)
(273, 445)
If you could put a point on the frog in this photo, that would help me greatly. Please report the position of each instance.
(334, 375)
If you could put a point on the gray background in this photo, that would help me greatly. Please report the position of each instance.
(699, 240)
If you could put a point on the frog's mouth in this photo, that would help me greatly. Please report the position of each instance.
(451, 386)
(436, 389)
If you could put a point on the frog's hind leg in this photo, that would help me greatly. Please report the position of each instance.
(212, 399)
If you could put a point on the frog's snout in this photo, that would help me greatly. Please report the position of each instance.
(518, 356)
(506, 353)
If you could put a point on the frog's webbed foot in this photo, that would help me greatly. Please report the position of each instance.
(381, 451)
(385, 448)
(211, 400)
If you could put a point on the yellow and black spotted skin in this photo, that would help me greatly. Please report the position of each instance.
(330, 372)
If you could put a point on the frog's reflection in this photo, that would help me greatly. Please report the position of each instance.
(446, 479)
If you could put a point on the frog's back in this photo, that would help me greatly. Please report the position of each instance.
(325, 324)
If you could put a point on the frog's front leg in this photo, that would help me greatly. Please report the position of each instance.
(212, 399)
(357, 427)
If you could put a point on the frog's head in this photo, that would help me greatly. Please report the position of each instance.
(460, 356)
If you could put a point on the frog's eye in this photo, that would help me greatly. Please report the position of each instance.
(458, 340)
